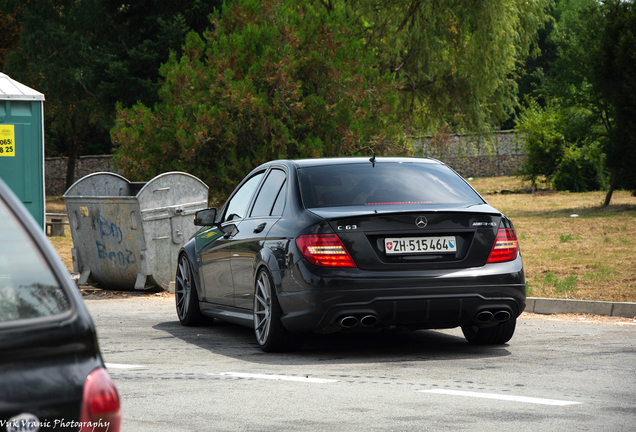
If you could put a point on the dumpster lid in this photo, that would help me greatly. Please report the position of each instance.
(11, 89)
(102, 184)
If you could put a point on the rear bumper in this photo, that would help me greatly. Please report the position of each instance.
(314, 298)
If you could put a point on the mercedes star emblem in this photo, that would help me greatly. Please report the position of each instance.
(421, 221)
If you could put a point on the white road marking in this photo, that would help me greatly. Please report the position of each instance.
(121, 366)
(275, 377)
(501, 397)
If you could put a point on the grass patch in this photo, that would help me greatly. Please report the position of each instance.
(564, 285)
(564, 238)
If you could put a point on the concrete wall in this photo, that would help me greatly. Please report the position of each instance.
(502, 157)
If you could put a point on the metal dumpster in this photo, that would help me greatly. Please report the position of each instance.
(128, 234)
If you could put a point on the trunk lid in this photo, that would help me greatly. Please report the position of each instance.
(452, 236)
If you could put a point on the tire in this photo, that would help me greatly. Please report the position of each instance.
(186, 297)
(497, 335)
(270, 333)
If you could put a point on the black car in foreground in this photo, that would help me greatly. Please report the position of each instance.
(327, 245)
(52, 376)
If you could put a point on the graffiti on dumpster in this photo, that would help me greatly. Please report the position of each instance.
(109, 229)
(122, 259)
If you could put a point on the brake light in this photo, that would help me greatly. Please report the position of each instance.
(324, 250)
(101, 411)
(506, 246)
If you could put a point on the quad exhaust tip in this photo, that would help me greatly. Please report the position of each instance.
(351, 321)
(485, 316)
(500, 316)
(369, 321)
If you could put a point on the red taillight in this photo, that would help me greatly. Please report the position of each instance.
(506, 246)
(101, 411)
(324, 250)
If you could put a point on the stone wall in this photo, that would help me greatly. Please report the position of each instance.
(55, 171)
(502, 157)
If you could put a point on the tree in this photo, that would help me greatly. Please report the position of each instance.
(9, 35)
(54, 57)
(615, 80)
(271, 80)
(590, 83)
(459, 59)
(87, 55)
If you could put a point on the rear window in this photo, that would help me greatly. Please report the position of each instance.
(385, 184)
(28, 288)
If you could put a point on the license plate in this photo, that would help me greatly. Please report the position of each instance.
(418, 245)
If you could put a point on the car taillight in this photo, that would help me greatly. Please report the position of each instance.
(324, 250)
(101, 411)
(506, 246)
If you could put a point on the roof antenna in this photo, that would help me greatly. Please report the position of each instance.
(372, 160)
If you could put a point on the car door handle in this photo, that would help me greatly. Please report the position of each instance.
(260, 228)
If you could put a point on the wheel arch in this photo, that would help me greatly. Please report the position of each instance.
(267, 260)
(189, 250)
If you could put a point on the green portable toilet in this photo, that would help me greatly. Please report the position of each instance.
(22, 144)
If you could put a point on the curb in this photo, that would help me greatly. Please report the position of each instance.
(547, 306)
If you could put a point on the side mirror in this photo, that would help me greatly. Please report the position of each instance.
(205, 217)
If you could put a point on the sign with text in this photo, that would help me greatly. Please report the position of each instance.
(7, 140)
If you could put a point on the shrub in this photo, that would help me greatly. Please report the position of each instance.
(560, 144)
(544, 144)
(581, 169)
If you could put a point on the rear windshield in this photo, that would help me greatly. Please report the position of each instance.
(387, 183)
(28, 288)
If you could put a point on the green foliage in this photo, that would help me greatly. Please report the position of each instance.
(590, 83)
(86, 55)
(615, 80)
(459, 59)
(270, 80)
(563, 144)
(53, 57)
(544, 144)
(9, 35)
(581, 169)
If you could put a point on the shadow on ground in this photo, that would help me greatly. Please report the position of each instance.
(390, 346)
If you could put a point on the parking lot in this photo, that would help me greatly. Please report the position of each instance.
(563, 373)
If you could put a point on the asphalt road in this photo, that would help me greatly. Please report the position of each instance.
(554, 375)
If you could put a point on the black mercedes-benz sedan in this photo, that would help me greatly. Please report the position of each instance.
(52, 374)
(327, 245)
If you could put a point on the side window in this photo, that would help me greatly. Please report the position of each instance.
(268, 194)
(280, 202)
(237, 206)
(28, 287)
